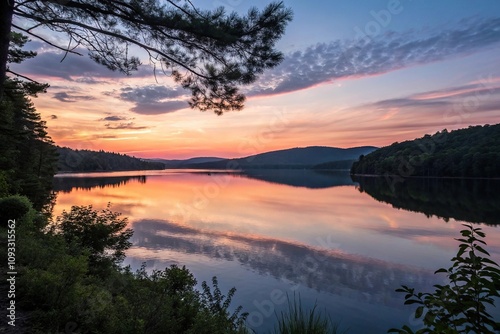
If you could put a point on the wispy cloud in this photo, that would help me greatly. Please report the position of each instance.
(117, 122)
(480, 95)
(122, 126)
(327, 62)
(475, 89)
(65, 97)
(154, 99)
(89, 80)
(423, 112)
(409, 102)
(114, 118)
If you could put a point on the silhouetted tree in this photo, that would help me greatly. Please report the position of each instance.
(208, 52)
(27, 153)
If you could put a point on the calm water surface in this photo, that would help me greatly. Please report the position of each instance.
(343, 245)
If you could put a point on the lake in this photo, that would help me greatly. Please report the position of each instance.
(343, 245)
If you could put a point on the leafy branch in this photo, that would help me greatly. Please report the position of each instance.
(461, 306)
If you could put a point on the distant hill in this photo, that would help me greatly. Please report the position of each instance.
(177, 163)
(96, 161)
(303, 157)
(471, 152)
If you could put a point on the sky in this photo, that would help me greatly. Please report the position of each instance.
(355, 73)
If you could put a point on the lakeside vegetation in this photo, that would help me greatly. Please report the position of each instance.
(471, 152)
(100, 161)
(69, 274)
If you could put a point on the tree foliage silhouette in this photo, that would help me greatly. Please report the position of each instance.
(462, 305)
(27, 154)
(209, 52)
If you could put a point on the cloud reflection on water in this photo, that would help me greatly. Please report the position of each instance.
(321, 269)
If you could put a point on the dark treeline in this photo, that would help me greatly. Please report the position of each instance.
(335, 165)
(27, 153)
(471, 152)
(93, 161)
(468, 200)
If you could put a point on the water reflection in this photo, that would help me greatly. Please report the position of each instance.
(235, 203)
(325, 270)
(468, 200)
(301, 178)
(297, 178)
(68, 183)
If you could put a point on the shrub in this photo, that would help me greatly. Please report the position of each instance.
(215, 310)
(167, 299)
(14, 207)
(4, 184)
(461, 305)
(103, 233)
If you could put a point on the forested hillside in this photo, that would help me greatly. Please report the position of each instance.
(471, 152)
(93, 161)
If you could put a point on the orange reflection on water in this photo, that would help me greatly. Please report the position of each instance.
(338, 218)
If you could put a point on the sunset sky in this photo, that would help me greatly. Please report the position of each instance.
(355, 73)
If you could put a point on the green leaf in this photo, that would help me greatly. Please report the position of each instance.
(412, 301)
(418, 312)
(481, 234)
(466, 233)
(480, 249)
(481, 241)
(461, 251)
